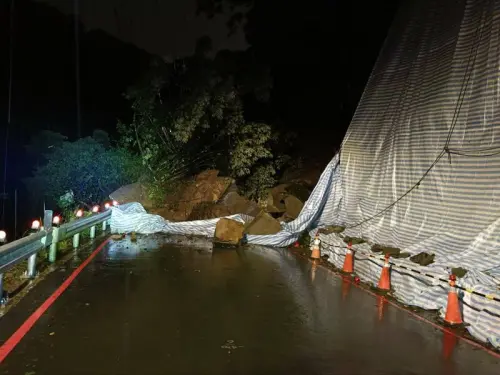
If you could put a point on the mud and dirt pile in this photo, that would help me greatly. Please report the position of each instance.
(209, 195)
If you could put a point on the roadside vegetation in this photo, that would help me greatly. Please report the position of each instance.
(187, 116)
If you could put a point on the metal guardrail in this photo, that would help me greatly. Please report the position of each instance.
(17, 251)
(27, 247)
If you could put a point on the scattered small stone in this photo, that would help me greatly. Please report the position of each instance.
(459, 272)
(424, 259)
(331, 229)
(354, 240)
(230, 345)
(52, 333)
(392, 251)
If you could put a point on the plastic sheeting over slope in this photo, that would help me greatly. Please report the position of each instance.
(433, 101)
(420, 165)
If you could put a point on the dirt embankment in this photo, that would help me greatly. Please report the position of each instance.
(209, 195)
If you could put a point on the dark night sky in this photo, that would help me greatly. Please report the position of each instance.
(320, 52)
(162, 27)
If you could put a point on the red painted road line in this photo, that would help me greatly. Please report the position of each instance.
(413, 314)
(17, 336)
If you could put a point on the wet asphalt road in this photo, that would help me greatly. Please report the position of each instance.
(145, 309)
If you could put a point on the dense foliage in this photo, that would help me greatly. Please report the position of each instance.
(86, 170)
(190, 115)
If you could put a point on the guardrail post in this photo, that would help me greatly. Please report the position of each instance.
(104, 225)
(53, 245)
(2, 299)
(76, 241)
(92, 232)
(35, 227)
(32, 266)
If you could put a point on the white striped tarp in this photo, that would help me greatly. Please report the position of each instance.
(435, 88)
(435, 85)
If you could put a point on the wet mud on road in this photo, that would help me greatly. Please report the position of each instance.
(143, 309)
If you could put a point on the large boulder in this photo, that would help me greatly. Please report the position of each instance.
(270, 207)
(132, 193)
(287, 199)
(164, 212)
(207, 187)
(208, 210)
(285, 218)
(299, 190)
(263, 224)
(293, 206)
(228, 231)
(308, 172)
(276, 198)
(237, 204)
(208, 175)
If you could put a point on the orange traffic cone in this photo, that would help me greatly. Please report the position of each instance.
(453, 316)
(348, 262)
(385, 278)
(316, 252)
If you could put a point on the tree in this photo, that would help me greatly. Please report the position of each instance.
(102, 137)
(86, 170)
(190, 114)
